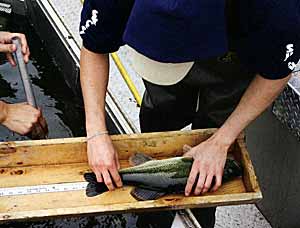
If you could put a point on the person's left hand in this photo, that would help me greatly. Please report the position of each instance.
(7, 47)
(209, 161)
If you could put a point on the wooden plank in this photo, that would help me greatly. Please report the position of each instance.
(11, 211)
(54, 174)
(78, 198)
(115, 199)
(49, 174)
(38, 175)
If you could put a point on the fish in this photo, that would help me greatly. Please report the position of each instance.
(153, 179)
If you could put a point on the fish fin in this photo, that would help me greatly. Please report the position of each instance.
(94, 188)
(90, 177)
(186, 148)
(143, 194)
(139, 158)
(91, 190)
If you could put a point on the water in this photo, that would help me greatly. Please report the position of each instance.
(62, 110)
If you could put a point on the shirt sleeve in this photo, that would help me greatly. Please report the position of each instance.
(103, 23)
(270, 42)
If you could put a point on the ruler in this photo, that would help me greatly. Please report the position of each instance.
(39, 189)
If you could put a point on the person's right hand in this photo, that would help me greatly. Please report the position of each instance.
(7, 47)
(103, 160)
(19, 117)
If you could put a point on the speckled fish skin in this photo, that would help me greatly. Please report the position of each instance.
(170, 175)
(159, 174)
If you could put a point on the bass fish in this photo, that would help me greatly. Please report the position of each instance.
(155, 178)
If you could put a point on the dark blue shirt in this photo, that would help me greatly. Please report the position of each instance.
(265, 33)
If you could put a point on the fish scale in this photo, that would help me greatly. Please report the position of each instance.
(156, 180)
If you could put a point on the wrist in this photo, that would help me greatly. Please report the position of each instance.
(96, 135)
(223, 138)
(3, 111)
(92, 128)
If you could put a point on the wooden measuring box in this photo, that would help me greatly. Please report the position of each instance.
(30, 163)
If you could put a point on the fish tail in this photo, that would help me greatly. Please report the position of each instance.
(94, 188)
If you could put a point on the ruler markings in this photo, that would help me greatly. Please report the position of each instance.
(39, 189)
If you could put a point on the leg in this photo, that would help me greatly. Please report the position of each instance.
(167, 108)
(223, 88)
(223, 82)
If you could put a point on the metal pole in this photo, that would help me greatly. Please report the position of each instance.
(40, 129)
(23, 72)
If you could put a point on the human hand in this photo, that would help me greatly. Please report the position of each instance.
(103, 160)
(209, 161)
(19, 118)
(40, 129)
(7, 47)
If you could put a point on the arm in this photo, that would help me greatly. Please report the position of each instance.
(210, 156)
(101, 153)
(260, 94)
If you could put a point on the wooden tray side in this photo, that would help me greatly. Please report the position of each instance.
(73, 150)
(43, 152)
(167, 203)
(250, 179)
(159, 145)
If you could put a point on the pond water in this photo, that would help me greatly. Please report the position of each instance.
(65, 116)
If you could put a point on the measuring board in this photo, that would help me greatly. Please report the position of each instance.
(38, 189)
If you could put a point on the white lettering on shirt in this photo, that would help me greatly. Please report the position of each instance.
(88, 23)
(289, 52)
(292, 65)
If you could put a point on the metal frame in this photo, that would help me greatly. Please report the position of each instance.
(287, 106)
